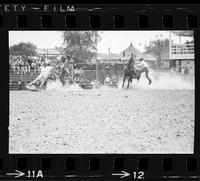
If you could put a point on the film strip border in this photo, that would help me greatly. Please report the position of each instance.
(55, 17)
(100, 167)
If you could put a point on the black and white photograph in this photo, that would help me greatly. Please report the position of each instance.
(101, 92)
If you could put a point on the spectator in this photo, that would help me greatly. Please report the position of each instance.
(23, 64)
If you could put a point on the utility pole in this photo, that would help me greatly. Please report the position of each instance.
(97, 78)
(170, 45)
(159, 49)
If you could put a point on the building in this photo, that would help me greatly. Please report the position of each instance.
(49, 52)
(179, 56)
(126, 54)
(109, 58)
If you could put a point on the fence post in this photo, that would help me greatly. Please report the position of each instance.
(97, 78)
(20, 75)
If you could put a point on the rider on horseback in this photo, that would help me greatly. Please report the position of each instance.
(131, 62)
(130, 65)
(64, 66)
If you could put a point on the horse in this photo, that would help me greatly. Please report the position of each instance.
(56, 73)
(47, 73)
(41, 78)
(136, 73)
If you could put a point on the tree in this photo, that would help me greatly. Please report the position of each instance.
(155, 48)
(25, 49)
(60, 49)
(81, 45)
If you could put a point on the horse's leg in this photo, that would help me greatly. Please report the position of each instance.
(42, 83)
(34, 81)
(138, 77)
(61, 78)
(129, 80)
(147, 76)
(124, 80)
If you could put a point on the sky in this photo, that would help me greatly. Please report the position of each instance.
(117, 41)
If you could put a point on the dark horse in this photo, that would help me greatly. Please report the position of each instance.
(136, 74)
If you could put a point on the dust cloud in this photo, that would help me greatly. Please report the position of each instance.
(160, 80)
(57, 85)
(163, 80)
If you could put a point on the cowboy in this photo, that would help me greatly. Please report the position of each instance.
(64, 67)
(141, 63)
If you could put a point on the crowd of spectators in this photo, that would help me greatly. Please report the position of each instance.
(30, 64)
(33, 64)
(23, 64)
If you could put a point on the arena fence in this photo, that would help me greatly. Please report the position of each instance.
(17, 81)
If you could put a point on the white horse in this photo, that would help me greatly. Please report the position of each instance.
(42, 77)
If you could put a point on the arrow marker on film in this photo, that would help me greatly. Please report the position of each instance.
(84, 175)
(122, 174)
(17, 174)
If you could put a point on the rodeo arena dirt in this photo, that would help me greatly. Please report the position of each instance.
(80, 113)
